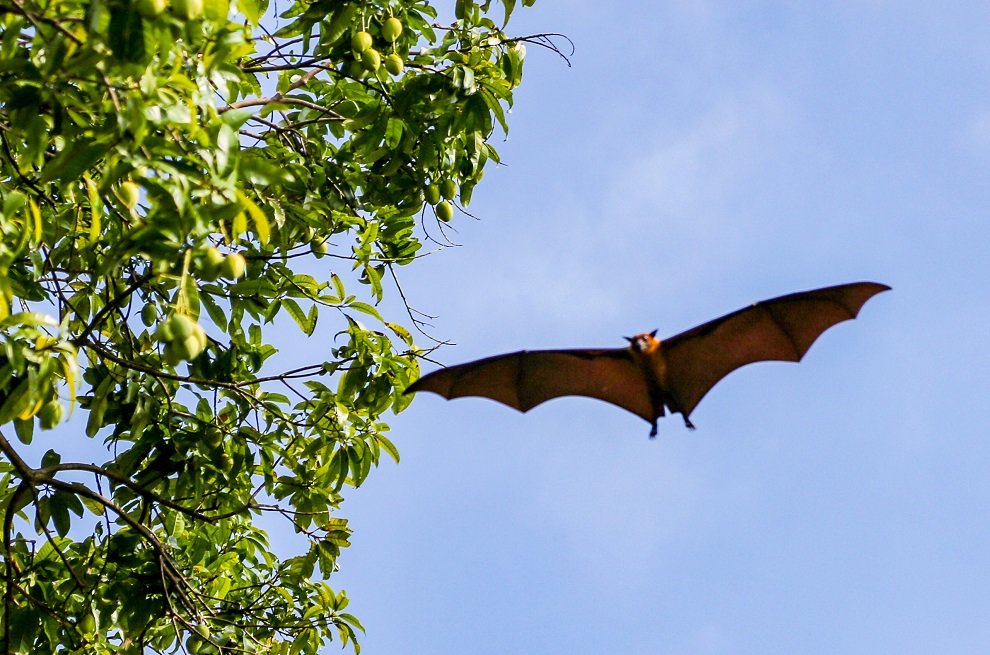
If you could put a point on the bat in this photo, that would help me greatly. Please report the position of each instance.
(652, 375)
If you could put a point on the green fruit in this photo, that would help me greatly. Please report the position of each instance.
(319, 247)
(356, 70)
(448, 189)
(195, 645)
(174, 352)
(392, 28)
(371, 59)
(149, 314)
(432, 193)
(361, 41)
(210, 262)
(213, 436)
(50, 414)
(445, 211)
(185, 350)
(181, 326)
(222, 460)
(130, 193)
(164, 333)
(187, 9)
(233, 266)
(150, 8)
(199, 334)
(87, 625)
(394, 64)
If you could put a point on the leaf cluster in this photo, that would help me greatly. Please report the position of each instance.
(182, 184)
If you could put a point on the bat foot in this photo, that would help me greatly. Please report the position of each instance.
(688, 424)
(653, 431)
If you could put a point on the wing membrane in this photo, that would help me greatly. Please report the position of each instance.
(780, 329)
(525, 379)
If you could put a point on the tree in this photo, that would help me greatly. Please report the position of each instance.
(170, 177)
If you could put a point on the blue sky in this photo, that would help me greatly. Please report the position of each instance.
(699, 156)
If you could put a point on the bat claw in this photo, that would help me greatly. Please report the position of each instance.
(688, 424)
(653, 431)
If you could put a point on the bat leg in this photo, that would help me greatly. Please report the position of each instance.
(675, 409)
(657, 413)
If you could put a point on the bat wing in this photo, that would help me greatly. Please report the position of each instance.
(525, 379)
(777, 329)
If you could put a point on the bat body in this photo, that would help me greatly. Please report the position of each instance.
(652, 376)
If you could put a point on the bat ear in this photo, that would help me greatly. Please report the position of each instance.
(629, 339)
(653, 334)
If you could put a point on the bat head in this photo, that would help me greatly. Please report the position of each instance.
(644, 342)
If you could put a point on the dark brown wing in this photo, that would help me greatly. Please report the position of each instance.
(525, 379)
(777, 329)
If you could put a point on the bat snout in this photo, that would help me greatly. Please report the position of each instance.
(641, 342)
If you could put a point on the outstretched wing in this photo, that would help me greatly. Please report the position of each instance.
(777, 329)
(525, 379)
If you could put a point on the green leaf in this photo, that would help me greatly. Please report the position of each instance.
(338, 285)
(73, 504)
(393, 132)
(365, 308)
(303, 320)
(351, 620)
(341, 21)
(13, 202)
(509, 5)
(259, 171)
(214, 311)
(94, 506)
(261, 227)
(78, 156)
(98, 406)
(495, 107)
(252, 10)
(15, 401)
(388, 447)
(59, 513)
(400, 332)
(24, 429)
(126, 36)
(50, 458)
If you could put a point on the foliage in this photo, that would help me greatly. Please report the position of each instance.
(175, 181)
